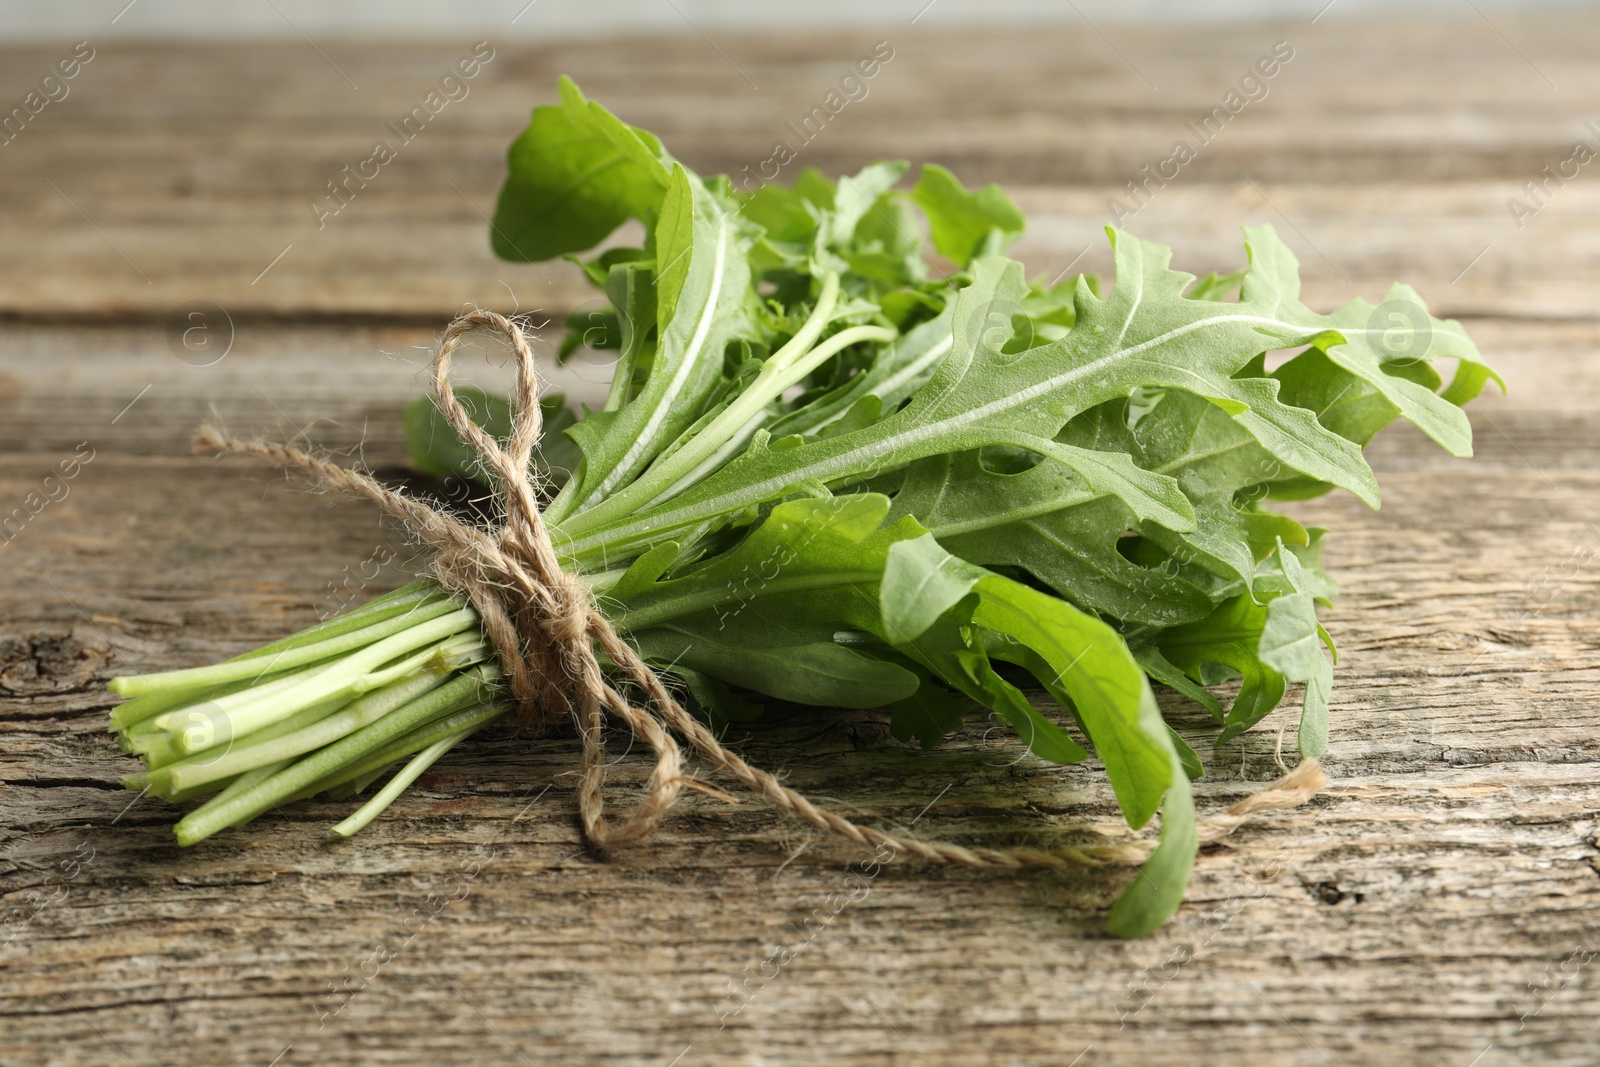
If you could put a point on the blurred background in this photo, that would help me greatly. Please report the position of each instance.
(516, 19)
(185, 221)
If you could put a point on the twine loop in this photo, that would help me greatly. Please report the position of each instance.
(549, 638)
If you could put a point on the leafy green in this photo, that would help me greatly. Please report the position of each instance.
(965, 224)
(574, 176)
(824, 474)
(973, 476)
(439, 451)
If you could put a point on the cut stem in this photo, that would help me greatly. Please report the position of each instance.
(286, 744)
(253, 667)
(373, 765)
(350, 676)
(397, 785)
(464, 690)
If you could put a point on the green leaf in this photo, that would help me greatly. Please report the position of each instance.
(720, 704)
(1291, 644)
(856, 195)
(1150, 496)
(782, 212)
(1268, 644)
(575, 175)
(965, 224)
(803, 544)
(1162, 670)
(1216, 286)
(887, 249)
(1230, 637)
(437, 450)
(674, 239)
(1188, 758)
(598, 269)
(1092, 666)
(920, 583)
(631, 287)
(756, 654)
(959, 653)
(703, 301)
(1046, 521)
(1146, 334)
(1289, 640)
(929, 714)
(1157, 889)
(1084, 658)
(1365, 339)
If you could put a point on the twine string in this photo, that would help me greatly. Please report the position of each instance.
(546, 632)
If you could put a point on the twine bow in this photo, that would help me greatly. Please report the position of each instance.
(549, 636)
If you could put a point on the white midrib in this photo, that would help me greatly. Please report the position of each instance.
(842, 463)
(915, 367)
(887, 388)
(1022, 514)
(651, 428)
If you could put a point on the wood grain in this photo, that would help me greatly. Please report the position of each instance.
(1431, 907)
(1374, 148)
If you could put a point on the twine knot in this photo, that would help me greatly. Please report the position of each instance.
(548, 637)
(570, 622)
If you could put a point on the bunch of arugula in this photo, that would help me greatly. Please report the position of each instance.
(829, 474)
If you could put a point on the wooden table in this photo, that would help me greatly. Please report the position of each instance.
(1436, 904)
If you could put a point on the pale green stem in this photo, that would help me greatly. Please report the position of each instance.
(247, 781)
(174, 722)
(676, 472)
(464, 690)
(197, 770)
(742, 417)
(376, 763)
(199, 678)
(397, 785)
(667, 469)
(348, 676)
(407, 598)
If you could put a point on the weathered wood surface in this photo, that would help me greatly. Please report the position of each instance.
(1401, 917)
(1387, 146)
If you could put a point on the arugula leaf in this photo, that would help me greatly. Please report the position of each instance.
(1266, 643)
(1230, 637)
(1157, 889)
(930, 714)
(719, 704)
(921, 582)
(856, 196)
(764, 653)
(1146, 334)
(437, 449)
(802, 544)
(1159, 668)
(964, 224)
(1291, 644)
(575, 175)
(1086, 658)
(959, 653)
(1367, 340)
(824, 476)
(703, 301)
